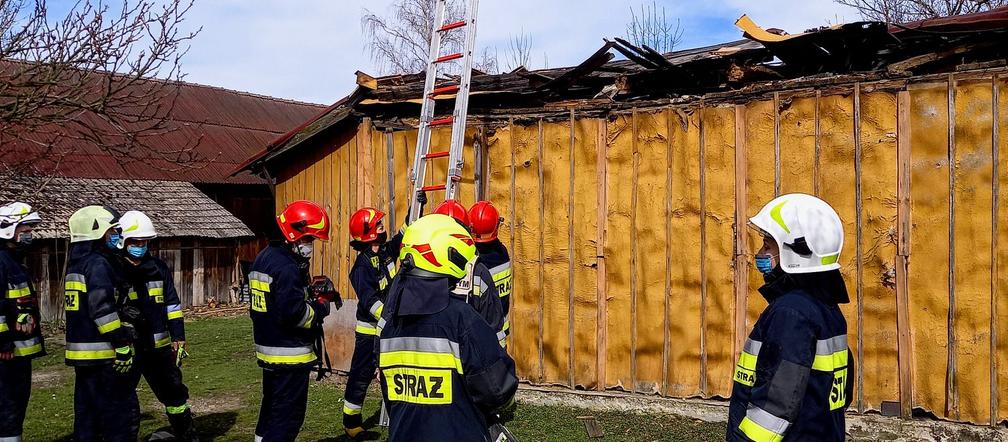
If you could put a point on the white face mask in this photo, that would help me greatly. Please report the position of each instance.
(305, 250)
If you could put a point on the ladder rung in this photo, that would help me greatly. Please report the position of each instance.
(448, 57)
(451, 26)
(437, 155)
(435, 187)
(445, 90)
(442, 121)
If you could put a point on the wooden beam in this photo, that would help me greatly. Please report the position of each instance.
(542, 257)
(741, 244)
(669, 116)
(995, 143)
(951, 387)
(601, 147)
(776, 144)
(703, 258)
(634, 295)
(860, 253)
(570, 256)
(903, 230)
(366, 81)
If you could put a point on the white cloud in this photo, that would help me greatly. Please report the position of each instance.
(309, 49)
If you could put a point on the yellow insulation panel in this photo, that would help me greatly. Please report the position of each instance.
(618, 253)
(555, 245)
(585, 223)
(760, 181)
(525, 308)
(650, 248)
(1001, 281)
(797, 146)
(929, 252)
(878, 247)
(719, 212)
(973, 239)
(684, 297)
(837, 187)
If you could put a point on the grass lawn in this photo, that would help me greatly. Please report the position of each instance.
(224, 386)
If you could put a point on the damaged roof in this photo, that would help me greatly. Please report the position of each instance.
(177, 208)
(766, 58)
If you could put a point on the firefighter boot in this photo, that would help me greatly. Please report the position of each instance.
(182, 426)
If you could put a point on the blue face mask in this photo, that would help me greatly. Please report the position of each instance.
(113, 241)
(136, 251)
(764, 263)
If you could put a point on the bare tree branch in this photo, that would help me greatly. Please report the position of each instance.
(651, 26)
(97, 77)
(904, 11)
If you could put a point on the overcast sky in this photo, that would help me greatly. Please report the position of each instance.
(309, 49)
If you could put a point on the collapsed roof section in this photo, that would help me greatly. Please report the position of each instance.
(767, 59)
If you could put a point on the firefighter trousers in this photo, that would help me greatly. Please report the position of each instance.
(105, 405)
(284, 402)
(15, 389)
(157, 366)
(362, 370)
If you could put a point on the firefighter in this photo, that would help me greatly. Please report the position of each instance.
(99, 345)
(20, 334)
(370, 277)
(793, 378)
(443, 373)
(161, 338)
(287, 313)
(484, 221)
(484, 296)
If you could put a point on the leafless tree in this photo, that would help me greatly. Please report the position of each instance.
(519, 50)
(650, 26)
(98, 76)
(903, 11)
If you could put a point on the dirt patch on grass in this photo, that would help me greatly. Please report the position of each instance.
(217, 404)
(46, 377)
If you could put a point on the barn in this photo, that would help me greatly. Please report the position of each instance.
(211, 223)
(626, 186)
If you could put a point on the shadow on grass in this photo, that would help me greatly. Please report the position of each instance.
(214, 425)
(370, 434)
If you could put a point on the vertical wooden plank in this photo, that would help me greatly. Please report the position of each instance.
(365, 163)
(634, 295)
(860, 255)
(777, 143)
(927, 285)
(951, 393)
(601, 147)
(668, 251)
(797, 145)
(703, 252)
(761, 184)
(584, 233)
(816, 171)
(526, 311)
(570, 252)
(905, 347)
(557, 290)
(390, 176)
(1001, 241)
(198, 277)
(542, 253)
(741, 248)
(618, 251)
(995, 269)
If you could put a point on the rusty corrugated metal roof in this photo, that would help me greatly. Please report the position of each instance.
(223, 127)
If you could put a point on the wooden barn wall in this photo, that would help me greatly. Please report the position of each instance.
(633, 260)
(203, 269)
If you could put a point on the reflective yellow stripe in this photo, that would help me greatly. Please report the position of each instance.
(4, 327)
(18, 293)
(418, 385)
(155, 291)
(366, 329)
(27, 351)
(111, 326)
(176, 410)
(420, 359)
(133, 295)
(76, 285)
(163, 342)
(351, 408)
(378, 312)
(308, 318)
(259, 285)
(757, 433)
(175, 315)
(286, 359)
(830, 362)
(90, 355)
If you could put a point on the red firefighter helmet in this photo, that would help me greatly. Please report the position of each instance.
(364, 224)
(455, 210)
(304, 218)
(484, 220)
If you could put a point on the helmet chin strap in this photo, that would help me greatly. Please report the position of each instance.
(465, 285)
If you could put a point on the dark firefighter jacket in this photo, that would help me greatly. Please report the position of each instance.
(284, 318)
(18, 298)
(793, 378)
(495, 257)
(485, 299)
(91, 300)
(442, 370)
(152, 289)
(370, 278)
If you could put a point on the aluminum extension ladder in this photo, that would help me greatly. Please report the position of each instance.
(457, 120)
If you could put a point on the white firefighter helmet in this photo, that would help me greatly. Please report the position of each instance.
(14, 214)
(136, 225)
(807, 230)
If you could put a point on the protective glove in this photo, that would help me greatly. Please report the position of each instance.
(124, 359)
(324, 292)
(25, 322)
(179, 348)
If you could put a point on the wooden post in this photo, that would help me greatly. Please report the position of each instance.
(198, 274)
(741, 220)
(635, 160)
(703, 258)
(669, 115)
(951, 387)
(905, 345)
(570, 257)
(390, 166)
(995, 143)
(601, 146)
(776, 144)
(542, 257)
(860, 266)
